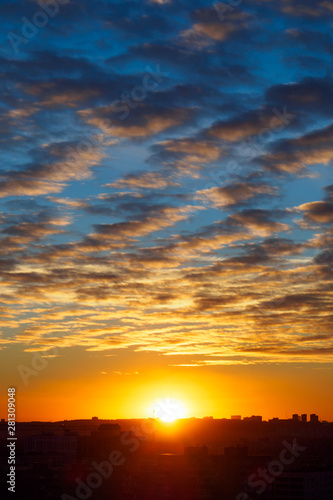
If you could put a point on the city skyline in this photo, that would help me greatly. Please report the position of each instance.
(302, 418)
(188, 459)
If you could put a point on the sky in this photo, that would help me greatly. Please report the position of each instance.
(166, 204)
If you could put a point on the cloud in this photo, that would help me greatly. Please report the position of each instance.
(249, 124)
(144, 180)
(304, 8)
(165, 217)
(147, 121)
(60, 93)
(195, 151)
(258, 221)
(60, 163)
(292, 155)
(310, 95)
(27, 188)
(206, 22)
(185, 156)
(318, 211)
(170, 229)
(234, 193)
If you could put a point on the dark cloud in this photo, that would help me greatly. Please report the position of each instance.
(236, 193)
(293, 155)
(310, 96)
(318, 211)
(258, 221)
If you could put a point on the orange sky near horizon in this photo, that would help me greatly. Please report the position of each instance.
(67, 388)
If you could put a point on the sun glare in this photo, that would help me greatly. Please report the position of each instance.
(168, 409)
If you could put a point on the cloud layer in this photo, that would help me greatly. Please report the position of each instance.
(166, 183)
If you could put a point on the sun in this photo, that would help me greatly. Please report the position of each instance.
(169, 410)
